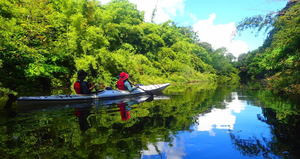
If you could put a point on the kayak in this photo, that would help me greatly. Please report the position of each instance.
(99, 95)
(98, 104)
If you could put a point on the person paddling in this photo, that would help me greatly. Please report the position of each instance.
(81, 86)
(124, 84)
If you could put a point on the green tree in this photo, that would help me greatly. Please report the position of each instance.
(45, 42)
(278, 58)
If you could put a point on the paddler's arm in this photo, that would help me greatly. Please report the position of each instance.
(93, 83)
(126, 84)
(85, 88)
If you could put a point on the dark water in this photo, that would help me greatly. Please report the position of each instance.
(190, 121)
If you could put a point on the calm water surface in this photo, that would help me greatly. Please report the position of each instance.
(190, 121)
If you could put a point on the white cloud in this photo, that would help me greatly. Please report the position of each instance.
(148, 7)
(171, 6)
(219, 35)
(238, 47)
(166, 9)
(194, 17)
(104, 1)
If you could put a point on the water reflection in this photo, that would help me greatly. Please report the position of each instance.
(83, 114)
(83, 111)
(284, 140)
(8, 105)
(224, 122)
(221, 118)
(254, 132)
(125, 108)
(163, 150)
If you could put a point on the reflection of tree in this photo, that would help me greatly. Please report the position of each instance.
(55, 133)
(285, 141)
(252, 146)
(285, 131)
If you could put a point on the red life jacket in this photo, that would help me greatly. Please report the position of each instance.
(121, 86)
(77, 87)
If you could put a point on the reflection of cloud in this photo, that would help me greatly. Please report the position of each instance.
(174, 152)
(220, 118)
(217, 118)
(151, 149)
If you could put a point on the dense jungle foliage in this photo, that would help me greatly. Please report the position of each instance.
(45, 42)
(277, 61)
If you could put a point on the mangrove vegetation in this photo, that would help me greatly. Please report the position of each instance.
(45, 42)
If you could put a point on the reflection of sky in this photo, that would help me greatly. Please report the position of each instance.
(174, 152)
(221, 118)
(210, 138)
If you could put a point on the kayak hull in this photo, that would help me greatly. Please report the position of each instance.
(104, 94)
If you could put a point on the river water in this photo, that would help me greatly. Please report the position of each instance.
(186, 121)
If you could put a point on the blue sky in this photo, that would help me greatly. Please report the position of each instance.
(214, 20)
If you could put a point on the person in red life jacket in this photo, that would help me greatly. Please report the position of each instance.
(124, 84)
(81, 86)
